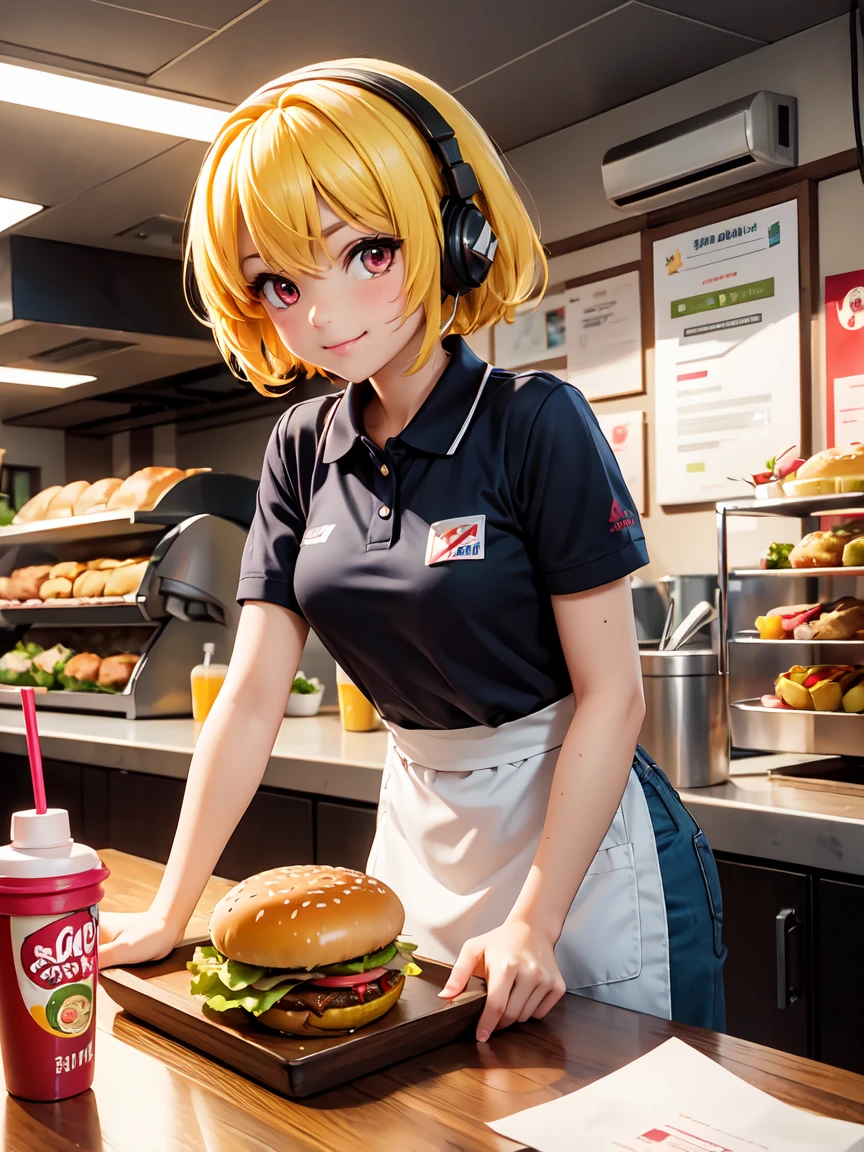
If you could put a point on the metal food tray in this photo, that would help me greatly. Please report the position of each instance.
(789, 730)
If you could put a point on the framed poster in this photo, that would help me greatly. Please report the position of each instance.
(604, 334)
(727, 345)
(625, 432)
(844, 358)
(536, 334)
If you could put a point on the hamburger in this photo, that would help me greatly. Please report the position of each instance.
(834, 470)
(305, 950)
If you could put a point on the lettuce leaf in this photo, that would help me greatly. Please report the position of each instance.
(211, 973)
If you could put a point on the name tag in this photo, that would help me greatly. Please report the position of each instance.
(319, 535)
(460, 538)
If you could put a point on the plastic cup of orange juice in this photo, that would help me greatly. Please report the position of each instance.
(358, 714)
(207, 680)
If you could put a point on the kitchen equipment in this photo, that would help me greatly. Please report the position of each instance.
(159, 995)
(749, 665)
(702, 614)
(667, 625)
(649, 609)
(194, 539)
(686, 591)
(49, 889)
(685, 727)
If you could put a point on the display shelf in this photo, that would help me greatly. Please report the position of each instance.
(840, 504)
(744, 638)
(805, 573)
(789, 730)
(74, 615)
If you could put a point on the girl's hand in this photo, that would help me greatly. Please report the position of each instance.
(521, 973)
(133, 937)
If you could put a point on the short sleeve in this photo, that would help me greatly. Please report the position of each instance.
(273, 543)
(574, 506)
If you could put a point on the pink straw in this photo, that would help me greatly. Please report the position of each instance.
(28, 703)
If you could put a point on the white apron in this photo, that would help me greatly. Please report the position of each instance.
(459, 821)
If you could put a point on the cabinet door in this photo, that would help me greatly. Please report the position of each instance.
(345, 834)
(840, 944)
(276, 829)
(143, 812)
(766, 927)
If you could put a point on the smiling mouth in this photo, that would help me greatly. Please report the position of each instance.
(345, 346)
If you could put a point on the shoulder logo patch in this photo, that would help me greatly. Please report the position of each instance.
(319, 535)
(620, 518)
(459, 538)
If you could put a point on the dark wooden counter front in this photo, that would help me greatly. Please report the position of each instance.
(152, 1094)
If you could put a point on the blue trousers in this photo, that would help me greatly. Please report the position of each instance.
(694, 906)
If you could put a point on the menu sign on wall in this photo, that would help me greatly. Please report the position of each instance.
(727, 360)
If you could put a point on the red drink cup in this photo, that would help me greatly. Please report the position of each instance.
(50, 888)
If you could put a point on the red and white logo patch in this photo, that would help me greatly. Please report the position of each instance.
(460, 538)
(620, 518)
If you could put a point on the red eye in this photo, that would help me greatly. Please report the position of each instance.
(374, 260)
(377, 259)
(279, 292)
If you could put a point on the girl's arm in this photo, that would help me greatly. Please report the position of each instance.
(230, 758)
(598, 635)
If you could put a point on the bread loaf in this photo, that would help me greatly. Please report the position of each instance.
(26, 582)
(121, 581)
(116, 671)
(5, 588)
(36, 506)
(144, 489)
(62, 503)
(69, 568)
(96, 496)
(102, 565)
(84, 667)
(90, 583)
(60, 588)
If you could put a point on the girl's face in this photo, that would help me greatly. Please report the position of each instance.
(348, 318)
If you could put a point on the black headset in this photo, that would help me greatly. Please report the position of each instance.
(469, 243)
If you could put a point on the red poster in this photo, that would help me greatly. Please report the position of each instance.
(844, 358)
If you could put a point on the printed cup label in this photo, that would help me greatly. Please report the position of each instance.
(55, 962)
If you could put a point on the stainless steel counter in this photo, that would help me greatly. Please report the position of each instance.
(751, 815)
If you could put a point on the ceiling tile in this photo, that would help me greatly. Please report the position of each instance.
(49, 158)
(97, 33)
(460, 42)
(768, 20)
(597, 68)
(160, 186)
(206, 13)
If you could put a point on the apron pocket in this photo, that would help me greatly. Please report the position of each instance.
(602, 939)
(711, 878)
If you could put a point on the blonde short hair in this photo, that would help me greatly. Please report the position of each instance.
(302, 137)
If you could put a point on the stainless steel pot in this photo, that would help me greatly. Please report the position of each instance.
(685, 727)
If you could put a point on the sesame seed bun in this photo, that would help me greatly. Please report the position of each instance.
(334, 1019)
(834, 470)
(304, 916)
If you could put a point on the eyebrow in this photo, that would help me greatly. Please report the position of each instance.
(328, 231)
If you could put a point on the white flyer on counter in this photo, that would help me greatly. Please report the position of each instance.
(604, 337)
(674, 1099)
(727, 355)
(625, 432)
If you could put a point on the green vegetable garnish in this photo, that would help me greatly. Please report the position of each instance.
(778, 556)
(304, 687)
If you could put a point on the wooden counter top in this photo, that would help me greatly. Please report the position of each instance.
(152, 1095)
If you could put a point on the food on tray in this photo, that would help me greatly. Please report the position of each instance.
(853, 553)
(306, 950)
(95, 497)
(73, 580)
(48, 665)
(36, 506)
(26, 582)
(143, 490)
(834, 470)
(69, 568)
(768, 483)
(62, 503)
(89, 583)
(820, 688)
(777, 556)
(838, 620)
(125, 579)
(115, 672)
(102, 565)
(81, 672)
(16, 667)
(825, 549)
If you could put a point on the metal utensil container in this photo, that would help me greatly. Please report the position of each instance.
(685, 728)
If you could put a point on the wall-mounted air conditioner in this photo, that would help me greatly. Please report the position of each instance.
(746, 138)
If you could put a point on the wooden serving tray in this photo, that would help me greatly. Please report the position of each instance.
(159, 995)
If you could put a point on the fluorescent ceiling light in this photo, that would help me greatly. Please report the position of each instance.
(112, 105)
(14, 211)
(41, 379)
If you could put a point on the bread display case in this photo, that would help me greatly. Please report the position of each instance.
(799, 628)
(108, 611)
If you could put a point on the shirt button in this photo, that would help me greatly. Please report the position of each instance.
(384, 512)
(385, 471)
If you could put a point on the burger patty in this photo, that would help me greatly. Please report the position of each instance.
(311, 998)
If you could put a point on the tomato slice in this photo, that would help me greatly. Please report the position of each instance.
(349, 981)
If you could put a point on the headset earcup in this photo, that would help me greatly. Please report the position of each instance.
(469, 246)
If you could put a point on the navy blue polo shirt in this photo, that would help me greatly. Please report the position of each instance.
(427, 567)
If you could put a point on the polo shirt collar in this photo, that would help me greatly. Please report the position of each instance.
(437, 428)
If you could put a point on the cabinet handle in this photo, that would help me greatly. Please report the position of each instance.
(786, 922)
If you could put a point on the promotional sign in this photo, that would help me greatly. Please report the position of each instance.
(604, 337)
(844, 358)
(727, 354)
(536, 334)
